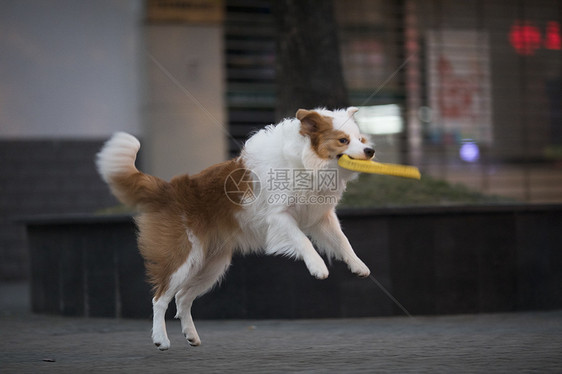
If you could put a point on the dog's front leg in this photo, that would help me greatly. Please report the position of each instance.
(284, 237)
(329, 237)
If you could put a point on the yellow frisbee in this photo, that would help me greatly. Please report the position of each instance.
(368, 166)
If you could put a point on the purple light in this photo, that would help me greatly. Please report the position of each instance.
(469, 151)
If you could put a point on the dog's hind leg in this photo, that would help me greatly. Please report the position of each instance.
(196, 285)
(159, 307)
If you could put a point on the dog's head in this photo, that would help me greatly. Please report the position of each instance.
(334, 133)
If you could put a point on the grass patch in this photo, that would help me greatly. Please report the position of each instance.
(372, 190)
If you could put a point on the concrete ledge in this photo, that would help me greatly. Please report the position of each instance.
(433, 260)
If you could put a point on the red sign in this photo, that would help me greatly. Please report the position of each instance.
(526, 38)
(552, 37)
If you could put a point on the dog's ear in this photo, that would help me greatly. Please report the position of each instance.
(352, 110)
(312, 122)
(301, 113)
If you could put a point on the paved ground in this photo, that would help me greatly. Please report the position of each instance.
(506, 343)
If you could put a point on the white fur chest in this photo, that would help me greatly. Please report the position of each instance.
(290, 180)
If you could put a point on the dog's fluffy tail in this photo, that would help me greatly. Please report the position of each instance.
(116, 165)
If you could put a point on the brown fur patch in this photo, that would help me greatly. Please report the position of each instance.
(197, 203)
(324, 139)
(140, 190)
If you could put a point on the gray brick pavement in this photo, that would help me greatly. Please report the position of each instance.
(502, 343)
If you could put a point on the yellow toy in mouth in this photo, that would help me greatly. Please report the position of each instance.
(368, 166)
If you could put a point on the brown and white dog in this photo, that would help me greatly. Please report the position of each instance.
(277, 197)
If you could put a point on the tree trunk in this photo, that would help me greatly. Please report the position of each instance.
(308, 67)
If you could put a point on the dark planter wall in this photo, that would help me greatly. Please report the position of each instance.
(434, 261)
(89, 267)
(54, 176)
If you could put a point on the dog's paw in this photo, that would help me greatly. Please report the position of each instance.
(358, 267)
(192, 340)
(162, 345)
(161, 342)
(319, 271)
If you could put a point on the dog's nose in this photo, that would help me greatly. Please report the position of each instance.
(369, 152)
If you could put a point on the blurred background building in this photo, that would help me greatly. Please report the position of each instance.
(469, 91)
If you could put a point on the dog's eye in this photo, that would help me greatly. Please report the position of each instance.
(344, 140)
